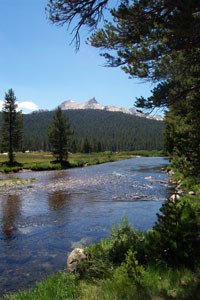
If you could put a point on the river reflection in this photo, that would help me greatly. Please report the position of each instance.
(10, 209)
(58, 200)
(63, 209)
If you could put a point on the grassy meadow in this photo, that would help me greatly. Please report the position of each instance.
(45, 161)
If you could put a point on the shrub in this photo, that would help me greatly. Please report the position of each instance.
(104, 256)
(124, 238)
(175, 237)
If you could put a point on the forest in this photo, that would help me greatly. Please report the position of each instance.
(94, 131)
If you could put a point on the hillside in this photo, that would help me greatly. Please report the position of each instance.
(102, 130)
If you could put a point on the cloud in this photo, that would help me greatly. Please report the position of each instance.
(25, 106)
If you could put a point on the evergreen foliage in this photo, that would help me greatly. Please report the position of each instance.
(160, 41)
(104, 131)
(85, 12)
(11, 131)
(152, 40)
(175, 237)
(59, 134)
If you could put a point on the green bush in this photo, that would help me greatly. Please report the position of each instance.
(124, 238)
(175, 238)
(112, 251)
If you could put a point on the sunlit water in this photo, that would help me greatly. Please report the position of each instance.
(44, 220)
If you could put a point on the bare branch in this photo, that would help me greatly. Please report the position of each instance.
(82, 12)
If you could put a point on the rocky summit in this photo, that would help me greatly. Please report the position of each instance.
(94, 104)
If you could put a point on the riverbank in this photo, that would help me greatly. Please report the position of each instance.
(114, 269)
(42, 161)
(161, 264)
(68, 208)
(158, 284)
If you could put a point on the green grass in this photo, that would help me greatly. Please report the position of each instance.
(31, 160)
(81, 159)
(114, 271)
(156, 284)
(39, 161)
(56, 287)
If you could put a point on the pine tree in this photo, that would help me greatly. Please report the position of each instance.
(12, 126)
(177, 233)
(59, 136)
(86, 147)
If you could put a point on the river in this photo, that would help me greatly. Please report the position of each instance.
(42, 221)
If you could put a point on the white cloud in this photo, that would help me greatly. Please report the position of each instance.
(27, 106)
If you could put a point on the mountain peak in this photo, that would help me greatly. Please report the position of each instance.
(93, 101)
(94, 104)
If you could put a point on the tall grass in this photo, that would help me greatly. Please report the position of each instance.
(56, 287)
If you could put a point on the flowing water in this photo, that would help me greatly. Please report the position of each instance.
(42, 221)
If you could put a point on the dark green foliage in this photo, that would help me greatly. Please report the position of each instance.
(154, 40)
(159, 40)
(147, 37)
(86, 147)
(105, 131)
(11, 131)
(175, 238)
(182, 135)
(124, 238)
(112, 131)
(85, 12)
(59, 135)
(173, 242)
(106, 254)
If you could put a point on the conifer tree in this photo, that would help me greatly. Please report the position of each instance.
(12, 126)
(59, 136)
(86, 148)
(176, 233)
(153, 40)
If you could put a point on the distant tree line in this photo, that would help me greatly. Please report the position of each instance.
(94, 131)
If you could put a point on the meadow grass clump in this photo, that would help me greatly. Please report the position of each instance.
(60, 286)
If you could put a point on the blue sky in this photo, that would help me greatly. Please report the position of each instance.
(39, 64)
